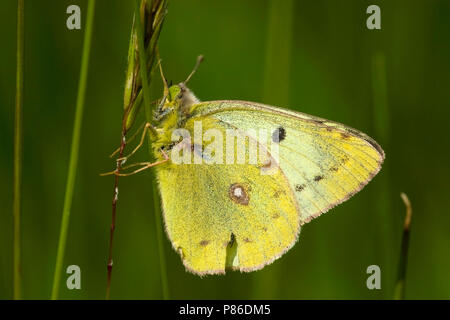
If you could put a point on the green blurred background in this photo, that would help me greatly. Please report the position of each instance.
(313, 56)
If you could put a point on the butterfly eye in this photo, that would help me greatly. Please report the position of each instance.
(182, 90)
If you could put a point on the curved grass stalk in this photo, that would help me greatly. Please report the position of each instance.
(402, 265)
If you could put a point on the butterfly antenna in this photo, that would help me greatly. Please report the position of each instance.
(166, 86)
(197, 64)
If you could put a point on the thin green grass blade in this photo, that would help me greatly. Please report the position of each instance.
(75, 147)
(18, 154)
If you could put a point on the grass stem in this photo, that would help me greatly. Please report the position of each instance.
(114, 214)
(74, 151)
(18, 154)
(147, 102)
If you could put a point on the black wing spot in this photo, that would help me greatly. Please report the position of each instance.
(299, 187)
(278, 135)
(318, 178)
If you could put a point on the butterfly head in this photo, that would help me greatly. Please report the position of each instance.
(181, 97)
(177, 99)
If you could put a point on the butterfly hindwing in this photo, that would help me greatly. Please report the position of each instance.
(227, 215)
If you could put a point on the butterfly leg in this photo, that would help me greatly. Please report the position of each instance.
(144, 166)
(147, 127)
(128, 140)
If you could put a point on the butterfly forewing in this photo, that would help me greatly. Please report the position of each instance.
(325, 162)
